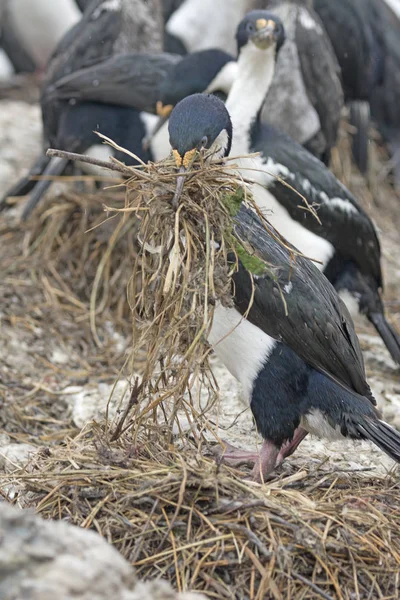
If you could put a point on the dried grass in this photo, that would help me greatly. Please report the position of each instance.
(153, 494)
(177, 266)
(181, 516)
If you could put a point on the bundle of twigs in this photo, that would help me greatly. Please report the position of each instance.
(183, 266)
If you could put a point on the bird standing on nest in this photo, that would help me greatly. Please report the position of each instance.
(343, 239)
(299, 361)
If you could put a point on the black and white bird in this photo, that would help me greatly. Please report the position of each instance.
(299, 362)
(344, 240)
(107, 28)
(306, 97)
(207, 71)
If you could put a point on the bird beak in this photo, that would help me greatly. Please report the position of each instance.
(180, 181)
(163, 112)
(183, 164)
(264, 36)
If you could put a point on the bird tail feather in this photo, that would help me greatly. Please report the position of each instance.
(388, 334)
(56, 166)
(360, 119)
(380, 433)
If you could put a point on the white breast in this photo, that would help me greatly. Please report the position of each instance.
(202, 24)
(241, 346)
(160, 146)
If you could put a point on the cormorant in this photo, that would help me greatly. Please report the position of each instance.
(343, 239)
(299, 361)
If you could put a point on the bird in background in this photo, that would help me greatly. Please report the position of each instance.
(107, 29)
(343, 238)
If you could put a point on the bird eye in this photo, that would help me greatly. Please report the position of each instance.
(204, 142)
(250, 27)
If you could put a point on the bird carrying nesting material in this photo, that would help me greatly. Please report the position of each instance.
(211, 270)
(187, 253)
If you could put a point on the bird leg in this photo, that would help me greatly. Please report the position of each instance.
(289, 447)
(263, 461)
(266, 460)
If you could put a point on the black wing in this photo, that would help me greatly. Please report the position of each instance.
(321, 72)
(131, 80)
(312, 319)
(343, 222)
(346, 23)
(90, 40)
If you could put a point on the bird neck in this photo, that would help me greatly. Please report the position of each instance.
(255, 72)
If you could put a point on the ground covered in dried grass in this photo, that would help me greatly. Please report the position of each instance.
(327, 526)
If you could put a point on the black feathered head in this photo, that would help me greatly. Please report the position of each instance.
(261, 28)
(199, 122)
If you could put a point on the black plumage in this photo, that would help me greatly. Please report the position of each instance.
(194, 74)
(313, 320)
(302, 361)
(355, 266)
(360, 55)
(131, 80)
(352, 256)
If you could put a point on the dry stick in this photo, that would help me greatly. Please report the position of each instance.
(137, 388)
(312, 585)
(51, 152)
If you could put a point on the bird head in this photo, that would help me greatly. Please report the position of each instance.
(199, 124)
(261, 29)
(207, 71)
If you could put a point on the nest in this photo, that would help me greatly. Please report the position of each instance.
(183, 517)
(85, 258)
